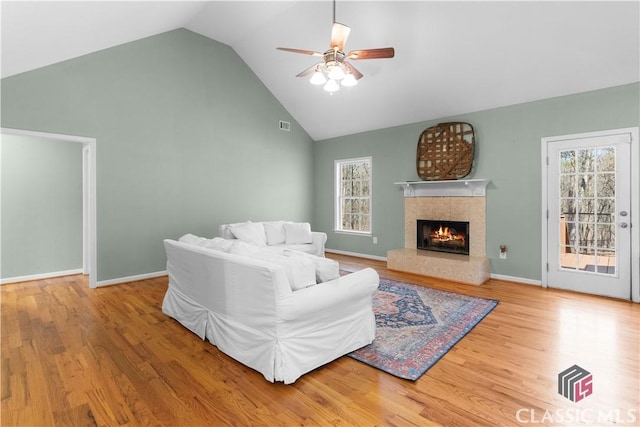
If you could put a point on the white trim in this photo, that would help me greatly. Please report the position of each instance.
(355, 254)
(40, 276)
(520, 280)
(92, 235)
(135, 278)
(86, 253)
(45, 135)
(635, 201)
(90, 255)
(354, 233)
(635, 215)
(544, 207)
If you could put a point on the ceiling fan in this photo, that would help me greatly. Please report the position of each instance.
(334, 68)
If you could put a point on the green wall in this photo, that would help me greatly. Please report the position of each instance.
(41, 188)
(508, 151)
(187, 139)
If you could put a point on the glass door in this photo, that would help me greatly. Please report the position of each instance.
(589, 198)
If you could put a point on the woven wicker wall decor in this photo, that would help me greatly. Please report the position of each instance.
(445, 151)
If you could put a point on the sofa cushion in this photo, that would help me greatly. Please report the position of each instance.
(217, 243)
(250, 232)
(275, 232)
(225, 231)
(192, 239)
(297, 233)
(326, 269)
(300, 272)
(310, 249)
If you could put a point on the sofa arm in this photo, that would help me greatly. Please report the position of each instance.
(318, 239)
(331, 300)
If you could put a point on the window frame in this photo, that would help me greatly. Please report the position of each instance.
(338, 197)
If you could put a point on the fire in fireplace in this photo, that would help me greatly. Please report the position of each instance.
(443, 236)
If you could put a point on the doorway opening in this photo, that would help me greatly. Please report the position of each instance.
(89, 226)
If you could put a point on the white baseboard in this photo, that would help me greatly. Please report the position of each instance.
(493, 276)
(516, 279)
(336, 251)
(40, 276)
(132, 278)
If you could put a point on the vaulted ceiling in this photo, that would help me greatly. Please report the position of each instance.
(452, 57)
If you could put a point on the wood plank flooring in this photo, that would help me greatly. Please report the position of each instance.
(74, 356)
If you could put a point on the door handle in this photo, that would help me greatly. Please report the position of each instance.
(623, 225)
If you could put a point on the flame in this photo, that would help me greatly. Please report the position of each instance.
(444, 235)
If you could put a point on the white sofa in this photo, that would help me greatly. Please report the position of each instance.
(277, 234)
(246, 307)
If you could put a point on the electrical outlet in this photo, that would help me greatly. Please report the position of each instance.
(375, 240)
(503, 252)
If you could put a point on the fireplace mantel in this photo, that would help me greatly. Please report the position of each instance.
(462, 187)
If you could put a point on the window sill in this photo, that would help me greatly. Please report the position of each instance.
(354, 233)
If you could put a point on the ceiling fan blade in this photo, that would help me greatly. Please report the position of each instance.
(302, 51)
(339, 35)
(356, 74)
(385, 52)
(309, 70)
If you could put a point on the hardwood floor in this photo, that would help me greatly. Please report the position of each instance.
(108, 356)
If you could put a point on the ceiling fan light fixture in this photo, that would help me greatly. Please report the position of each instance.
(336, 71)
(349, 80)
(318, 78)
(331, 86)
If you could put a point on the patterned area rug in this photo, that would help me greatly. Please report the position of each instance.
(416, 326)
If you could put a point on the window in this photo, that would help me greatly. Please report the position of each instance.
(353, 195)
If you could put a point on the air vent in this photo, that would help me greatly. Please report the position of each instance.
(285, 126)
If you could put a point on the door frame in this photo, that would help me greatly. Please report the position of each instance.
(635, 198)
(89, 217)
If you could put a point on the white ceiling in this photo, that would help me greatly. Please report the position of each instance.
(451, 57)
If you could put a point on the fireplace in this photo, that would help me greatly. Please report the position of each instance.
(443, 236)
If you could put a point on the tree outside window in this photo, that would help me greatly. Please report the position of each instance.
(353, 195)
(587, 200)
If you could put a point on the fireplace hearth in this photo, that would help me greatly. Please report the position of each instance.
(443, 236)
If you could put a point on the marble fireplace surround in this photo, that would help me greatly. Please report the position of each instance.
(462, 202)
